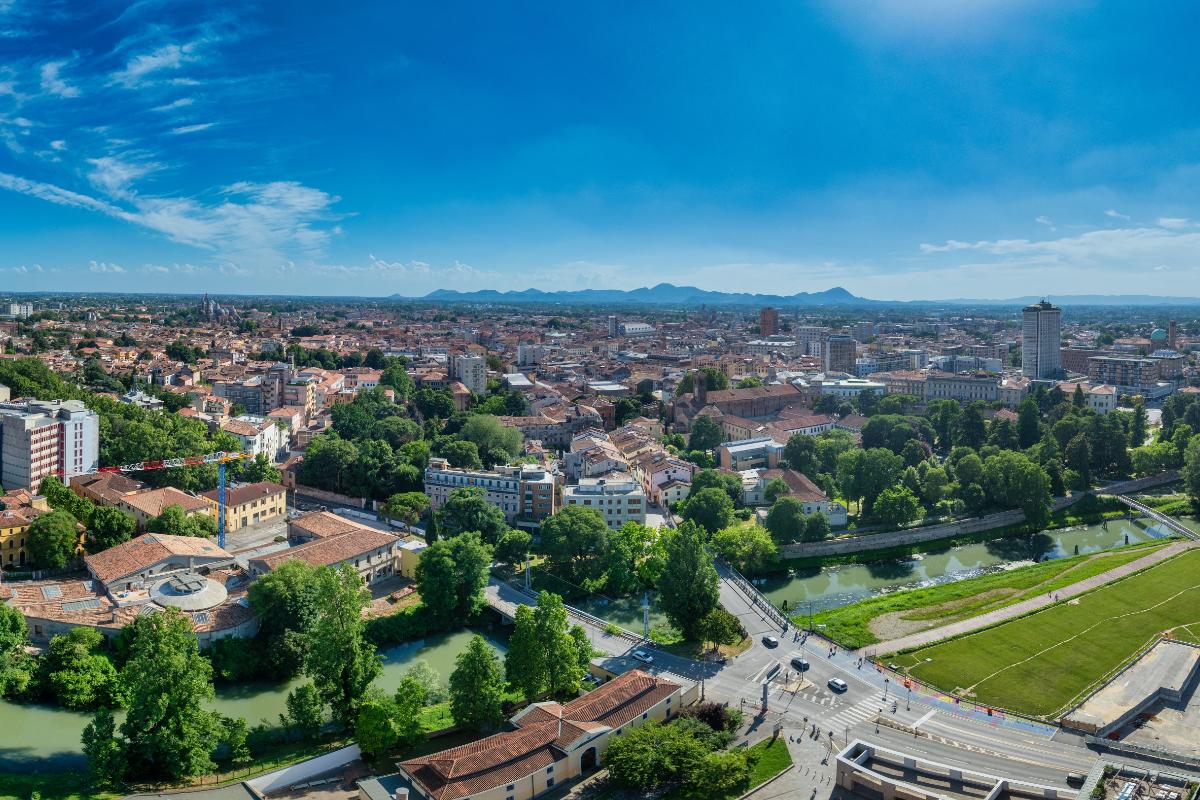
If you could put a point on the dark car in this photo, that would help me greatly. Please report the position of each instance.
(770, 641)
(799, 664)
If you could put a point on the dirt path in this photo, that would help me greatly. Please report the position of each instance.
(932, 635)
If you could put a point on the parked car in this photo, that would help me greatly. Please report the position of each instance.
(643, 656)
(770, 641)
(838, 685)
(799, 664)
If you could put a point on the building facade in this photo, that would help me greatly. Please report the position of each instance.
(619, 500)
(521, 492)
(1041, 341)
(44, 437)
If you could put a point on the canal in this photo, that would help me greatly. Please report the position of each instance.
(37, 737)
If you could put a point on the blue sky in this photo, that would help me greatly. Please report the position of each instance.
(893, 147)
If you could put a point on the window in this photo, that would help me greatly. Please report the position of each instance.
(645, 715)
(549, 769)
(549, 782)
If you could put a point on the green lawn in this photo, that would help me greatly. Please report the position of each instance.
(850, 625)
(774, 758)
(1041, 663)
(57, 786)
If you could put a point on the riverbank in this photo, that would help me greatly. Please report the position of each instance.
(896, 614)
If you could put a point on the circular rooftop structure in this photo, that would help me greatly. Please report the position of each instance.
(188, 591)
(1158, 334)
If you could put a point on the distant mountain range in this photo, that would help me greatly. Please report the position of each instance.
(662, 294)
(669, 294)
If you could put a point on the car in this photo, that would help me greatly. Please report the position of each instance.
(1075, 779)
(799, 664)
(770, 641)
(838, 685)
(643, 656)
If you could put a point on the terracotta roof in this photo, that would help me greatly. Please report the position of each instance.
(544, 731)
(799, 485)
(239, 495)
(110, 486)
(147, 550)
(155, 501)
(332, 540)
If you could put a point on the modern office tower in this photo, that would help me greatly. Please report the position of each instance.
(1041, 341)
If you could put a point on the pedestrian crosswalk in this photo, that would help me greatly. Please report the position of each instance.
(859, 712)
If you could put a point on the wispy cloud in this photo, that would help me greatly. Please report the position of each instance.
(175, 105)
(105, 267)
(1112, 212)
(53, 82)
(195, 128)
(115, 176)
(167, 58)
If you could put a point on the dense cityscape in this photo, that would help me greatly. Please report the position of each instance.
(587, 516)
(612, 401)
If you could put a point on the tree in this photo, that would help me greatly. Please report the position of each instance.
(775, 489)
(688, 586)
(785, 520)
(434, 403)
(816, 528)
(174, 521)
(514, 548)
(711, 509)
(1191, 471)
(305, 711)
(1012, 480)
(654, 754)
(897, 506)
(969, 469)
(167, 733)
(105, 755)
(328, 462)
(524, 662)
(1137, 425)
(15, 662)
(52, 539)
(466, 509)
(408, 701)
(60, 498)
(715, 380)
(477, 687)
(109, 527)
(497, 443)
(260, 469)
(375, 728)
(750, 382)
(76, 673)
(452, 575)
(406, 507)
(728, 482)
(863, 474)
(559, 653)
(285, 600)
(461, 455)
(706, 433)
(934, 486)
(749, 548)
(720, 627)
(575, 541)
(800, 452)
(1029, 426)
(339, 660)
(969, 429)
(1078, 457)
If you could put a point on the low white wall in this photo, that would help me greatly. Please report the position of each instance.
(305, 770)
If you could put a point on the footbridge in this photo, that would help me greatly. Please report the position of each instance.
(505, 597)
(1172, 524)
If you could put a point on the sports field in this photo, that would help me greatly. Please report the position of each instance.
(1042, 663)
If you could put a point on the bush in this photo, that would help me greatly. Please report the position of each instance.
(412, 622)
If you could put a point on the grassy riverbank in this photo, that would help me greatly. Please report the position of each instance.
(898, 613)
(1043, 662)
(1096, 510)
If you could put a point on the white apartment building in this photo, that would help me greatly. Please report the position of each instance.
(471, 372)
(619, 498)
(45, 437)
(520, 490)
(20, 310)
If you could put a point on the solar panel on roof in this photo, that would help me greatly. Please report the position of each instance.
(200, 617)
(81, 605)
(51, 592)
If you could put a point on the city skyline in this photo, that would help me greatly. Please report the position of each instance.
(897, 150)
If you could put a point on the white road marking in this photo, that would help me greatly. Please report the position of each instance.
(924, 719)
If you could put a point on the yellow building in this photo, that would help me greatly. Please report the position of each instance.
(252, 504)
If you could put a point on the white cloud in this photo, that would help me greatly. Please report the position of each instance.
(58, 144)
(1112, 212)
(105, 267)
(1175, 223)
(251, 223)
(199, 126)
(142, 67)
(1043, 220)
(182, 102)
(54, 83)
(115, 176)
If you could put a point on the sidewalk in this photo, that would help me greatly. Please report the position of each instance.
(1024, 607)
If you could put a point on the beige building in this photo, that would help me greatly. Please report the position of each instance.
(251, 504)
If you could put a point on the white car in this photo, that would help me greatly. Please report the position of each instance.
(643, 656)
(838, 685)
